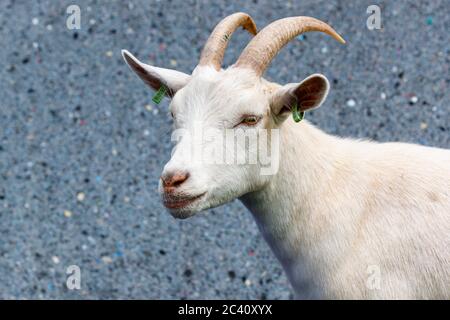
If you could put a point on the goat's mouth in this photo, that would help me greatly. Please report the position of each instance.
(180, 202)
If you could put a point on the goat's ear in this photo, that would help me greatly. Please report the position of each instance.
(308, 94)
(156, 77)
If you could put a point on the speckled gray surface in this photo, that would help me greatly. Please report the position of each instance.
(81, 147)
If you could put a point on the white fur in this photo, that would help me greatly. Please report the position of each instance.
(337, 208)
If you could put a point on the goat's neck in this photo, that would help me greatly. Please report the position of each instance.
(286, 208)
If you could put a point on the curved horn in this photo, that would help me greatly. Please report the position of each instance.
(214, 49)
(264, 47)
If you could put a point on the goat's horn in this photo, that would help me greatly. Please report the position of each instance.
(214, 49)
(258, 54)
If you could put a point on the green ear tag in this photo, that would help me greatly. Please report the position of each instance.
(159, 94)
(296, 114)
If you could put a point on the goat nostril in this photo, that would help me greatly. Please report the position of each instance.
(174, 180)
(179, 180)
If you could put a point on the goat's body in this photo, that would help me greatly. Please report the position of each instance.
(357, 219)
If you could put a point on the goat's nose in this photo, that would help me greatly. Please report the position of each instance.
(174, 179)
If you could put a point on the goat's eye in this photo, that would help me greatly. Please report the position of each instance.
(250, 120)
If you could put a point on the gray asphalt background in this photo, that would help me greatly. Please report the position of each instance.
(74, 119)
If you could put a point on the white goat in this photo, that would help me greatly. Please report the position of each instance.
(346, 218)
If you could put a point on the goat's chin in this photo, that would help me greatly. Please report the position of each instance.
(192, 209)
(181, 213)
(188, 211)
(183, 207)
